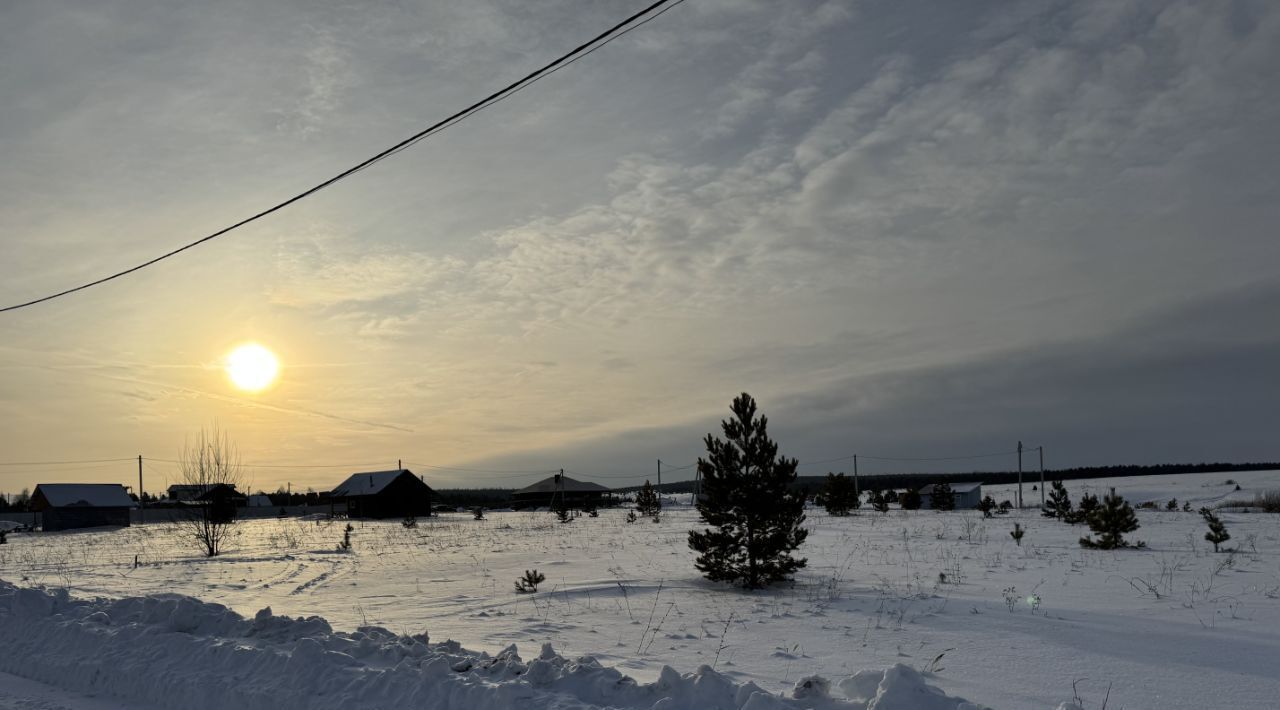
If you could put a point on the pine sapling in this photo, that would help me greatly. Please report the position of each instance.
(4, 537)
(528, 584)
(1017, 533)
(754, 517)
(648, 503)
(1059, 504)
(1110, 521)
(477, 513)
(879, 502)
(1217, 530)
(345, 545)
(943, 497)
(409, 522)
(910, 499)
(1005, 507)
(1172, 505)
(987, 506)
(838, 495)
(631, 516)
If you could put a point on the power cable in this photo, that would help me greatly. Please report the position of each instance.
(582, 50)
(62, 463)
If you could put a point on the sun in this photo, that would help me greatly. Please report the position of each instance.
(252, 367)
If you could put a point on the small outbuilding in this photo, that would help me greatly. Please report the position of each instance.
(550, 492)
(259, 500)
(967, 494)
(383, 494)
(67, 506)
(220, 499)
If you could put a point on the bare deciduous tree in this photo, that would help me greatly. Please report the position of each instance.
(208, 464)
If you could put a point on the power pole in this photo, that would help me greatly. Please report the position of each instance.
(856, 491)
(659, 479)
(399, 464)
(1019, 474)
(142, 503)
(1041, 476)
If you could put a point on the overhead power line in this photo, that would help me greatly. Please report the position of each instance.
(633, 22)
(60, 463)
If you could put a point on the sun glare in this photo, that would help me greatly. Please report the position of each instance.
(252, 367)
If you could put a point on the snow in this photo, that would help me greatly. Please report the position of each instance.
(23, 694)
(206, 656)
(1169, 626)
(369, 483)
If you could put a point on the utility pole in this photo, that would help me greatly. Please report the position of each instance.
(1019, 474)
(142, 503)
(856, 491)
(399, 464)
(659, 479)
(1041, 476)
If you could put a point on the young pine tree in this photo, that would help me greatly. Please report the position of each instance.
(943, 497)
(648, 504)
(879, 501)
(1088, 504)
(1217, 531)
(838, 495)
(987, 506)
(1110, 521)
(1059, 505)
(747, 499)
(910, 499)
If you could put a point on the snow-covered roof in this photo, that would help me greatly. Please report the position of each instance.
(88, 495)
(565, 485)
(966, 487)
(368, 484)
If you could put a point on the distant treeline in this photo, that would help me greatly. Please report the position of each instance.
(885, 481)
(471, 497)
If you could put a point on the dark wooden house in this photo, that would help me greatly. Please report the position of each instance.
(221, 499)
(382, 494)
(67, 506)
(549, 492)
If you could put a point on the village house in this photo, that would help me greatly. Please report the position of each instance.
(67, 506)
(560, 490)
(382, 494)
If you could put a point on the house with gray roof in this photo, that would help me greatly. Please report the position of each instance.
(68, 506)
(549, 492)
(382, 494)
(967, 494)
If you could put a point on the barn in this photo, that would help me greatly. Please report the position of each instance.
(382, 494)
(575, 494)
(968, 495)
(67, 506)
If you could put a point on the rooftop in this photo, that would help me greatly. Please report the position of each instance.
(87, 495)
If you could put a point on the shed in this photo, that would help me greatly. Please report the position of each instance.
(968, 494)
(557, 488)
(259, 500)
(67, 506)
(383, 494)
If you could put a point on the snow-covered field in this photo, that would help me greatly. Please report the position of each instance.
(1169, 626)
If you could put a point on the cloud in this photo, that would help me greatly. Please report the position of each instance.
(843, 208)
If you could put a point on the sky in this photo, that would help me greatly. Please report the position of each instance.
(908, 229)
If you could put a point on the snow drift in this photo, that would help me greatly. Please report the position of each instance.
(177, 651)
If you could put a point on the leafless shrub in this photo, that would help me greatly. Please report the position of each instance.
(209, 463)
